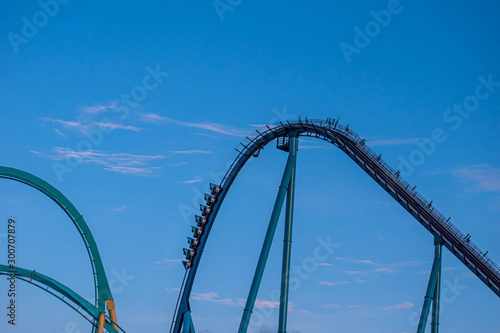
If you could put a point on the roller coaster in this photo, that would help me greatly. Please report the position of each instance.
(286, 135)
(95, 313)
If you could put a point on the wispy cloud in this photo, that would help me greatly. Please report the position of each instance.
(86, 125)
(391, 142)
(98, 108)
(330, 306)
(444, 269)
(377, 267)
(116, 162)
(364, 261)
(484, 177)
(240, 302)
(356, 272)
(402, 306)
(334, 283)
(208, 126)
(177, 164)
(191, 181)
(266, 304)
(148, 171)
(167, 261)
(119, 208)
(385, 270)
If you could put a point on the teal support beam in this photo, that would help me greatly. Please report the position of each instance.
(67, 293)
(266, 246)
(436, 301)
(188, 326)
(287, 248)
(102, 289)
(431, 288)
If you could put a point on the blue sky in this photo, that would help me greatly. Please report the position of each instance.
(200, 78)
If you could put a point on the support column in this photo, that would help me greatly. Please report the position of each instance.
(435, 302)
(431, 287)
(102, 319)
(112, 312)
(271, 229)
(188, 323)
(287, 248)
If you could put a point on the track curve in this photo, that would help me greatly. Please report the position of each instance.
(101, 285)
(351, 144)
(60, 291)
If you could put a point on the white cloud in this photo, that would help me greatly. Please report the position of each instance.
(119, 208)
(98, 108)
(240, 302)
(167, 261)
(177, 164)
(212, 127)
(149, 171)
(116, 162)
(483, 176)
(402, 306)
(191, 181)
(356, 272)
(364, 261)
(213, 297)
(334, 283)
(86, 125)
(385, 270)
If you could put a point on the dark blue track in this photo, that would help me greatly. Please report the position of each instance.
(351, 144)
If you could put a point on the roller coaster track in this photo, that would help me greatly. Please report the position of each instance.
(103, 295)
(83, 307)
(354, 147)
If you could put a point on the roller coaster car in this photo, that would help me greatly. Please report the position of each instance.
(214, 188)
(210, 199)
(205, 210)
(186, 263)
(196, 231)
(189, 253)
(193, 242)
(200, 220)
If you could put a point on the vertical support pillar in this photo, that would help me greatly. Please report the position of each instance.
(271, 229)
(435, 302)
(287, 248)
(431, 287)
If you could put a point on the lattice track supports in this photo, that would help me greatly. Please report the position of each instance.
(271, 230)
(433, 292)
(287, 249)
